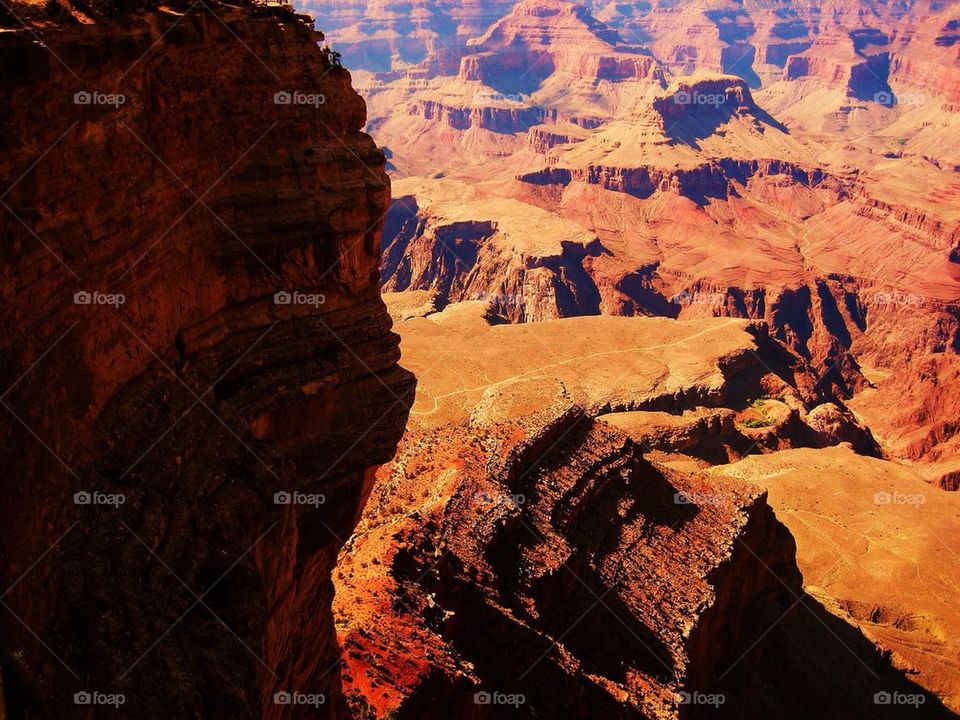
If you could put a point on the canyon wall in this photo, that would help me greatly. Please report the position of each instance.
(702, 203)
(199, 376)
(532, 552)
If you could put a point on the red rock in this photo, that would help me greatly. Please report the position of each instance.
(199, 397)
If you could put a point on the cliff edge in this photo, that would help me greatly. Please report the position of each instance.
(199, 377)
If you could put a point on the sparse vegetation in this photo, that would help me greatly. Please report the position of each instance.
(332, 56)
(763, 419)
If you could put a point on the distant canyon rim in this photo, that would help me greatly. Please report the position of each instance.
(787, 163)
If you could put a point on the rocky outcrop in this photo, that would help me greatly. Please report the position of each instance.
(442, 247)
(889, 503)
(199, 377)
(944, 234)
(712, 179)
(541, 37)
(836, 60)
(523, 556)
(927, 61)
(722, 94)
(543, 138)
(507, 120)
(384, 35)
(568, 548)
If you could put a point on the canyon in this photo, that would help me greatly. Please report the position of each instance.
(604, 470)
(484, 359)
(792, 166)
(702, 194)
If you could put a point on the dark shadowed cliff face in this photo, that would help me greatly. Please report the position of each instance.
(162, 407)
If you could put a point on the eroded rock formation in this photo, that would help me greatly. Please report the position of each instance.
(704, 204)
(162, 404)
(510, 533)
(529, 554)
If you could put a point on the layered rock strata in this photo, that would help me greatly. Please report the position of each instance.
(199, 377)
(524, 556)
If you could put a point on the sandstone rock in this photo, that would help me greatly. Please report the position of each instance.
(540, 37)
(518, 546)
(509, 534)
(386, 34)
(836, 426)
(700, 431)
(198, 397)
(874, 544)
(695, 218)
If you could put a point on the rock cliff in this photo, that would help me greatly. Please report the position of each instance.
(528, 554)
(199, 377)
(702, 203)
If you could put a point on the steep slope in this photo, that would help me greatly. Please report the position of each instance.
(382, 35)
(876, 548)
(703, 204)
(523, 557)
(526, 262)
(522, 539)
(199, 377)
(545, 62)
(542, 37)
